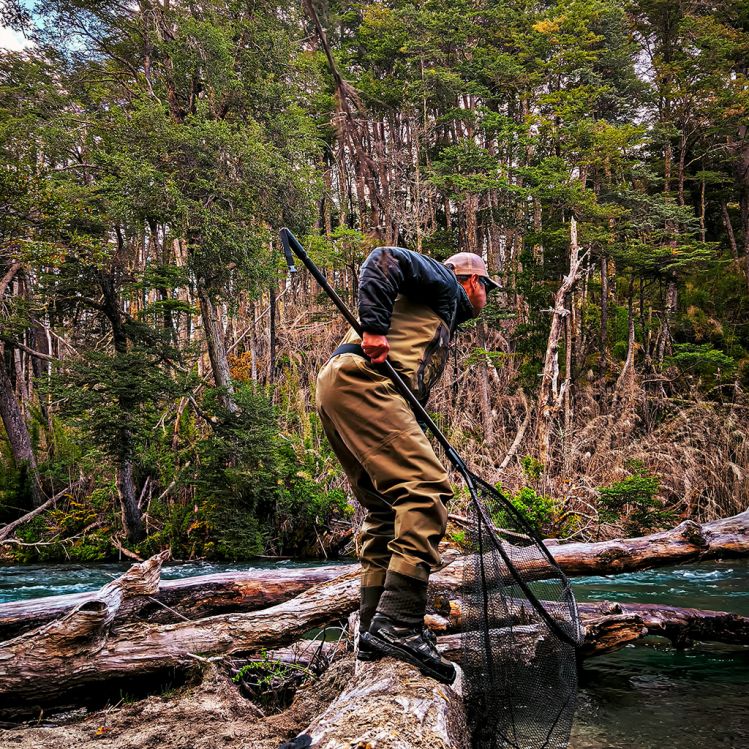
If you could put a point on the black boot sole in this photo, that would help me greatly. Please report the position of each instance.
(368, 657)
(386, 648)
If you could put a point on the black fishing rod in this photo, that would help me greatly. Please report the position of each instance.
(291, 247)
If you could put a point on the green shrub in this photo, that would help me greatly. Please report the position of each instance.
(544, 514)
(633, 502)
(703, 361)
(532, 468)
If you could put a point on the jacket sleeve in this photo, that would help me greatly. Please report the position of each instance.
(389, 271)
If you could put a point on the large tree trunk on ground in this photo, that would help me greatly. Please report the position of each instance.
(209, 595)
(189, 598)
(84, 649)
(610, 626)
(390, 705)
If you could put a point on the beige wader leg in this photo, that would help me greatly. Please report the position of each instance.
(361, 411)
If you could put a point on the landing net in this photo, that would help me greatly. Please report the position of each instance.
(520, 633)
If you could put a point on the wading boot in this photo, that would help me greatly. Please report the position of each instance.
(397, 628)
(414, 645)
(370, 597)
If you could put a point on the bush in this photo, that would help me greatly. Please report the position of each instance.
(634, 503)
(544, 514)
(259, 492)
(703, 361)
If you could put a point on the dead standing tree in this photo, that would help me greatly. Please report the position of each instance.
(349, 134)
(552, 395)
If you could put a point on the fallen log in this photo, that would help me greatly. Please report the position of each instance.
(603, 634)
(209, 595)
(390, 705)
(609, 626)
(177, 600)
(82, 649)
(682, 626)
(687, 542)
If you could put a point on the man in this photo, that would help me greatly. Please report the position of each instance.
(409, 308)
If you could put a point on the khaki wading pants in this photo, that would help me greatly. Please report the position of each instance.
(392, 468)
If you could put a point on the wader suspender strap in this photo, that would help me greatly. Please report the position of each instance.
(350, 348)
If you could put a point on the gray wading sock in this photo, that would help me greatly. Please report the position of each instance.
(404, 600)
(370, 597)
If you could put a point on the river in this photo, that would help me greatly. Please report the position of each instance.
(647, 696)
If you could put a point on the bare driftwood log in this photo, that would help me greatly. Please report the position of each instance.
(208, 595)
(82, 649)
(390, 705)
(177, 600)
(610, 626)
(687, 542)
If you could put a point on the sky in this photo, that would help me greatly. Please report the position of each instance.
(12, 40)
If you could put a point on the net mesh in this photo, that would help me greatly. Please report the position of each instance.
(520, 632)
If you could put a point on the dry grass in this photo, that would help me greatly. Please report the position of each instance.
(698, 447)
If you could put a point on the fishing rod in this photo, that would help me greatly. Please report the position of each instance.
(292, 246)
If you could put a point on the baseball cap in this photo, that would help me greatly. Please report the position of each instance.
(469, 264)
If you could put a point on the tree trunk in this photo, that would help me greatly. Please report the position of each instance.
(12, 416)
(18, 435)
(176, 600)
(604, 313)
(214, 337)
(84, 649)
(664, 337)
(209, 595)
(89, 648)
(550, 396)
(132, 520)
(272, 333)
(390, 705)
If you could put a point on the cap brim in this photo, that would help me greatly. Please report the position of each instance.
(491, 283)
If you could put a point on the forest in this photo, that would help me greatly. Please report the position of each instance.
(157, 364)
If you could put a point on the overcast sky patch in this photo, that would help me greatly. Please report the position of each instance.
(12, 40)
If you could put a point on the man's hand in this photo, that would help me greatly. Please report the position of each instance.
(376, 347)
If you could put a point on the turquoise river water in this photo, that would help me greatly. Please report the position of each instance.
(647, 696)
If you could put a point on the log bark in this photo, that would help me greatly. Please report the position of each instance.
(177, 600)
(609, 626)
(86, 648)
(214, 337)
(83, 649)
(18, 434)
(390, 705)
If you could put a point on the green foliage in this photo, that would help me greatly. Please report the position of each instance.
(239, 472)
(544, 514)
(271, 684)
(634, 502)
(76, 530)
(532, 468)
(702, 360)
(256, 493)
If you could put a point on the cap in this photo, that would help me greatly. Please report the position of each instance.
(469, 264)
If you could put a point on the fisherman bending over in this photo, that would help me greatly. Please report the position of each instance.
(409, 308)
